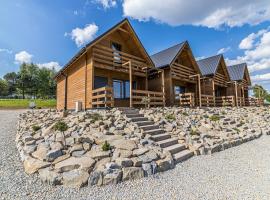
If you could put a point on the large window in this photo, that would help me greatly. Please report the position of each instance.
(100, 82)
(116, 55)
(121, 89)
(179, 90)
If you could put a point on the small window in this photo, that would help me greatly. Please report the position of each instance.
(116, 55)
(179, 90)
(100, 82)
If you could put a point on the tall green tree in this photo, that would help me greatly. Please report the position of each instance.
(11, 79)
(46, 83)
(3, 87)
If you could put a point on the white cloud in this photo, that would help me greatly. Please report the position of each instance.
(261, 78)
(50, 65)
(6, 51)
(23, 57)
(256, 55)
(106, 3)
(209, 13)
(83, 35)
(248, 42)
(224, 50)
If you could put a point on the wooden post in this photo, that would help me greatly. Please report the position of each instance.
(236, 95)
(163, 87)
(199, 87)
(243, 95)
(146, 81)
(130, 84)
(213, 87)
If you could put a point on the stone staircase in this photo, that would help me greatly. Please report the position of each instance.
(158, 135)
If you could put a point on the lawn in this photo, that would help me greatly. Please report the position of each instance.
(24, 103)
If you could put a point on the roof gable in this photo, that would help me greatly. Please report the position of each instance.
(166, 57)
(208, 66)
(239, 72)
(99, 38)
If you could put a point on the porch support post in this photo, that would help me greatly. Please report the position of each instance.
(236, 95)
(213, 87)
(163, 87)
(200, 92)
(130, 83)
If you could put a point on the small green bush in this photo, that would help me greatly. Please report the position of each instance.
(205, 116)
(193, 131)
(60, 126)
(106, 146)
(185, 114)
(170, 117)
(236, 129)
(94, 117)
(214, 118)
(36, 128)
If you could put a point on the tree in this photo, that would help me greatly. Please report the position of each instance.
(259, 91)
(11, 79)
(3, 87)
(46, 83)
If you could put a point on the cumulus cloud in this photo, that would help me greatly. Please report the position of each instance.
(50, 65)
(224, 50)
(257, 55)
(6, 51)
(23, 57)
(248, 42)
(106, 3)
(83, 35)
(209, 13)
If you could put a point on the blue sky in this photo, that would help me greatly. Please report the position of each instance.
(50, 32)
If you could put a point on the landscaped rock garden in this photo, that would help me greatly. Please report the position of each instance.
(100, 147)
(95, 147)
(209, 130)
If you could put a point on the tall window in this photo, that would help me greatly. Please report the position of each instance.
(179, 90)
(121, 89)
(116, 55)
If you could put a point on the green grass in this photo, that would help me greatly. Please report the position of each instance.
(24, 103)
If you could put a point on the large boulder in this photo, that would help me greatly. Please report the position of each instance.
(32, 165)
(75, 178)
(130, 173)
(49, 176)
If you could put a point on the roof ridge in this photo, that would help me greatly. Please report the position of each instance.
(218, 55)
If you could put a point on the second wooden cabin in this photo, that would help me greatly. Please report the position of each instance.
(181, 74)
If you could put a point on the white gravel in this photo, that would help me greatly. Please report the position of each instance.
(241, 172)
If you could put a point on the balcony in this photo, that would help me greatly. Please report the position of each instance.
(107, 58)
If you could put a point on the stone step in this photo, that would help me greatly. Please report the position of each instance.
(182, 155)
(144, 123)
(134, 115)
(160, 137)
(149, 127)
(175, 148)
(168, 142)
(154, 132)
(139, 119)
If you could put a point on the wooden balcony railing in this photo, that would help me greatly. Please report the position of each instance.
(187, 99)
(102, 97)
(225, 101)
(148, 98)
(207, 100)
(251, 101)
(107, 58)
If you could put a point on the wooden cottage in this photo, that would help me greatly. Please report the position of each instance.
(181, 75)
(214, 82)
(112, 70)
(239, 86)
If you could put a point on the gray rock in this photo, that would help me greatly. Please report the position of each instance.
(149, 157)
(75, 178)
(53, 154)
(130, 173)
(95, 178)
(113, 178)
(78, 153)
(49, 176)
(124, 162)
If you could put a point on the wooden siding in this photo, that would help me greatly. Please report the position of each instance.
(60, 92)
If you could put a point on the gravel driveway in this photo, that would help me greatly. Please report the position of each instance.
(241, 172)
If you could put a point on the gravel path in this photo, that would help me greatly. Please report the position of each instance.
(241, 172)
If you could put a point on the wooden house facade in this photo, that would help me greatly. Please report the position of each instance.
(240, 83)
(181, 75)
(214, 82)
(110, 71)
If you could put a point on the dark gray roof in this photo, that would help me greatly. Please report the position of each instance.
(237, 72)
(165, 57)
(208, 66)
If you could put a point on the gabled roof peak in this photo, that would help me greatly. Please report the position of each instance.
(208, 66)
